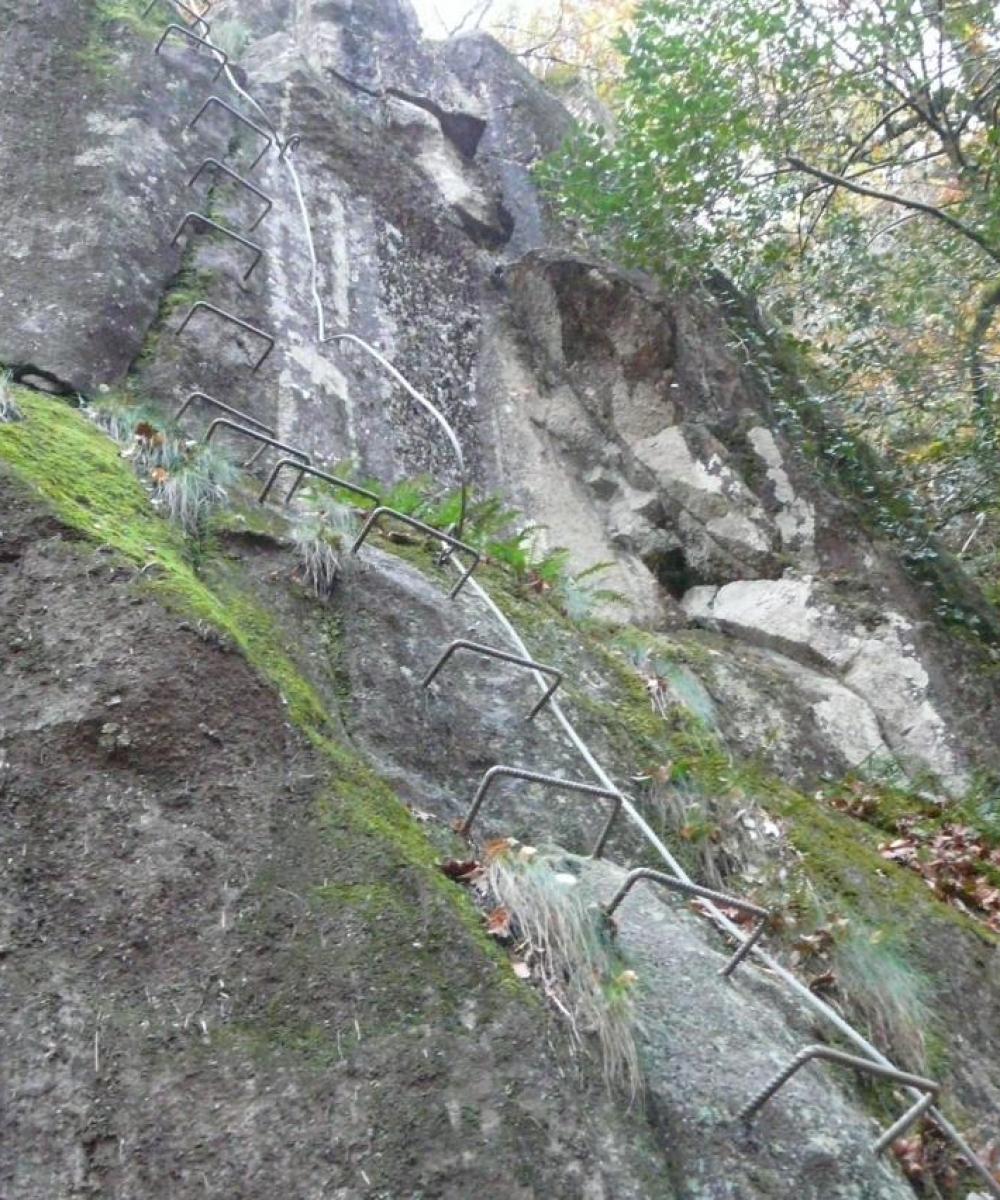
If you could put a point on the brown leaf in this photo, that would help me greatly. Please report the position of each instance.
(498, 848)
(159, 476)
(461, 872)
(823, 982)
(145, 430)
(498, 923)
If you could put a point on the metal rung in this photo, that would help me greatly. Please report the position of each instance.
(237, 237)
(569, 785)
(251, 187)
(225, 422)
(239, 117)
(376, 514)
(197, 18)
(864, 1065)
(502, 656)
(305, 469)
(244, 418)
(211, 401)
(694, 889)
(193, 37)
(212, 308)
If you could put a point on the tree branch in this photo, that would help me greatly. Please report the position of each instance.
(929, 210)
(989, 301)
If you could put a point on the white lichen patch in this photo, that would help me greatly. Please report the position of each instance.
(796, 521)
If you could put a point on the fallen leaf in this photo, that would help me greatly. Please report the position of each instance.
(521, 968)
(498, 848)
(460, 872)
(498, 923)
(159, 476)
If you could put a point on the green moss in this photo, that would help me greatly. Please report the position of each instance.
(79, 472)
(102, 50)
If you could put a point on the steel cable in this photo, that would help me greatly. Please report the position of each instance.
(720, 919)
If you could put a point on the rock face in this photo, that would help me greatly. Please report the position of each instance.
(233, 967)
(618, 418)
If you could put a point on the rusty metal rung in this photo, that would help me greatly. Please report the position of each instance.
(193, 37)
(226, 423)
(501, 656)
(213, 308)
(377, 513)
(694, 889)
(239, 414)
(239, 117)
(305, 469)
(866, 1066)
(195, 217)
(250, 187)
(569, 785)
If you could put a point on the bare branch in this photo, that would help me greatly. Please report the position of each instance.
(929, 210)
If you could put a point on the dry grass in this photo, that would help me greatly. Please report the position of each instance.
(885, 992)
(566, 943)
(194, 485)
(8, 407)
(319, 537)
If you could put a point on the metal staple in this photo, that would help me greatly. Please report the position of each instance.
(226, 423)
(291, 143)
(376, 514)
(192, 37)
(191, 217)
(243, 417)
(239, 117)
(984, 1174)
(502, 656)
(569, 785)
(250, 187)
(686, 888)
(866, 1066)
(305, 469)
(212, 308)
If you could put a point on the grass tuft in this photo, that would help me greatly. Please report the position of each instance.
(567, 943)
(8, 405)
(190, 488)
(319, 538)
(885, 991)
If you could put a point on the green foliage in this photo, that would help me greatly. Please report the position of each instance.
(743, 133)
(232, 36)
(81, 474)
(195, 483)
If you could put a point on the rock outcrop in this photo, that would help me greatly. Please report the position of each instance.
(232, 967)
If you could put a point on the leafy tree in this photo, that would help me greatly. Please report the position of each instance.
(839, 158)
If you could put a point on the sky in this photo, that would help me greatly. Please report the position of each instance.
(439, 16)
